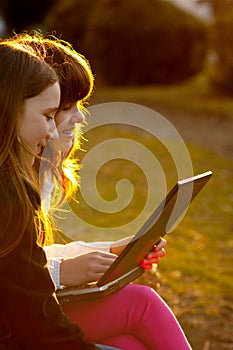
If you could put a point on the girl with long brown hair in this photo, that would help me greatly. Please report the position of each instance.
(30, 316)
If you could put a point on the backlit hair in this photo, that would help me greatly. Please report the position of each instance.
(23, 75)
(77, 82)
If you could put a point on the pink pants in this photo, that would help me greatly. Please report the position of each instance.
(133, 318)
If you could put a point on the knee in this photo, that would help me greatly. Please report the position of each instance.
(141, 292)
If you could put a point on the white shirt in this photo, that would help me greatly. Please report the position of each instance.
(55, 253)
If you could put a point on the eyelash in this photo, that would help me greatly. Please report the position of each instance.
(67, 107)
(49, 117)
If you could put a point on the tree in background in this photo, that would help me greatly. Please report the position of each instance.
(218, 6)
(133, 42)
(221, 72)
(220, 68)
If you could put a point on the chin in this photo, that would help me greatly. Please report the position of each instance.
(66, 146)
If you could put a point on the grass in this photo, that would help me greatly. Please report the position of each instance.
(194, 95)
(201, 249)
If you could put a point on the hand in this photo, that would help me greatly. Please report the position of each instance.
(155, 254)
(85, 268)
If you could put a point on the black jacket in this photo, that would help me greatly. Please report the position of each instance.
(30, 316)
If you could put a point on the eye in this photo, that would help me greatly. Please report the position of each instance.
(49, 117)
(67, 107)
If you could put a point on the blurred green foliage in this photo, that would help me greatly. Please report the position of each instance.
(221, 73)
(137, 42)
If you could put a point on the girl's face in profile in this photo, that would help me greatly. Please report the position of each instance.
(37, 125)
(66, 120)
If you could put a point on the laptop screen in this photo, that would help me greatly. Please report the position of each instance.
(163, 220)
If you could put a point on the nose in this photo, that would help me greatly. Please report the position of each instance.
(53, 133)
(77, 117)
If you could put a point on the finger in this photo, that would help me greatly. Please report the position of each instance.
(158, 251)
(146, 266)
(108, 255)
(101, 269)
(161, 244)
(107, 261)
(95, 277)
(103, 263)
(102, 258)
(158, 254)
(151, 261)
(96, 269)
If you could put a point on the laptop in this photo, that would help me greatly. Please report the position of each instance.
(126, 267)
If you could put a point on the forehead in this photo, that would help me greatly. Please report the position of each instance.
(48, 98)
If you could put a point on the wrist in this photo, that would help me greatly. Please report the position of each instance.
(56, 272)
(63, 273)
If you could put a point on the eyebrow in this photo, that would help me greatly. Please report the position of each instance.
(51, 109)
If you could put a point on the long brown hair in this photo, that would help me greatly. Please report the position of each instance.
(23, 75)
(76, 82)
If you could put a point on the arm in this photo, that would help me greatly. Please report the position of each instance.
(75, 248)
(90, 267)
(90, 264)
(78, 263)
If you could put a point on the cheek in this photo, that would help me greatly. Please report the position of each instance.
(61, 119)
(41, 131)
(21, 130)
(59, 130)
(26, 132)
